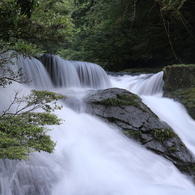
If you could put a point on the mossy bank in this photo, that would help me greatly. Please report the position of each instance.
(179, 84)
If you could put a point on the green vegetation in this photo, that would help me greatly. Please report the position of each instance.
(163, 134)
(31, 27)
(28, 28)
(158, 134)
(173, 149)
(177, 67)
(179, 76)
(121, 99)
(187, 97)
(180, 85)
(193, 168)
(130, 97)
(128, 34)
(114, 102)
(23, 131)
(133, 133)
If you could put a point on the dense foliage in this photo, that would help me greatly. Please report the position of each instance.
(33, 28)
(28, 27)
(121, 34)
(22, 130)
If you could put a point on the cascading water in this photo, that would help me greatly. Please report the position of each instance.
(145, 84)
(65, 73)
(33, 73)
(92, 157)
(174, 113)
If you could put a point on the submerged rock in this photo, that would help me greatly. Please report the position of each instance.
(126, 110)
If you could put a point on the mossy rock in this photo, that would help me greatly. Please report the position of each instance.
(186, 97)
(179, 76)
(122, 100)
(163, 134)
(126, 111)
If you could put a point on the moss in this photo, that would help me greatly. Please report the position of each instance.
(130, 99)
(133, 133)
(188, 97)
(179, 65)
(193, 168)
(120, 100)
(114, 102)
(123, 100)
(179, 76)
(173, 149)
(163, 134)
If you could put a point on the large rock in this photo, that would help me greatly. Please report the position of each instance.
(179, 84)
(179, 76)
(126, 110)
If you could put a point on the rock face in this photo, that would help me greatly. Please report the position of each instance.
(179, 76)
(179, 84)
(126, 110)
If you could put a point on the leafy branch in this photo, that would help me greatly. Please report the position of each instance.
(22, 130)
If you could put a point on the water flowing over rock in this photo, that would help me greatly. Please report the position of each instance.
(180, 85)
(33, 73)
(94, 157)
(66, 73)
(126, 110)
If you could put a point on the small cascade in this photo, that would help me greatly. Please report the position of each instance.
(33, 73)
(66, 73)
(149, 88)
(150, 85)
(75, 104)
(91, 75)
(144, 84)
(176, 116)
(33, 177)
(62, 73)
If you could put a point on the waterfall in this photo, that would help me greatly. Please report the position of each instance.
(33, 73)
(92, 157)
(66, 73)
(144, 84)
(149, 88)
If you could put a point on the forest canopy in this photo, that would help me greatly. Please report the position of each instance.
(120, 34)
(116, 34)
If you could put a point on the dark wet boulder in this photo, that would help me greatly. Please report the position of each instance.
(126, 111)
(179, 84)
(179, 76)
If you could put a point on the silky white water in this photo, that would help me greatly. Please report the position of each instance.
(92, 157)
(166, 109)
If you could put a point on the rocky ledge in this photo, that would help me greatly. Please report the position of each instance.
(179, 84)
(126, 110)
